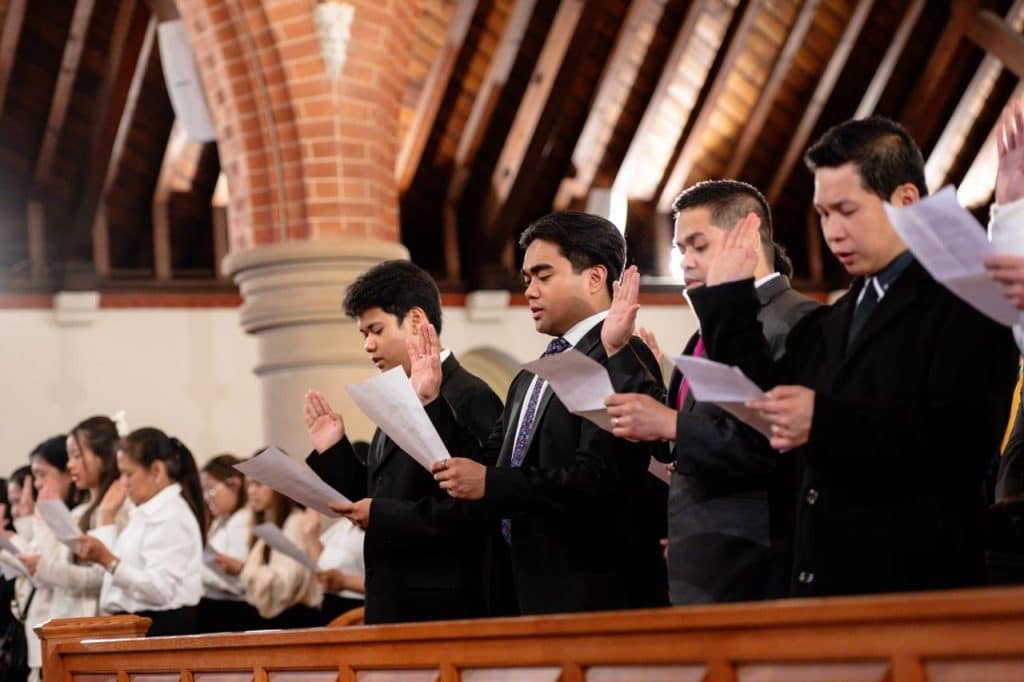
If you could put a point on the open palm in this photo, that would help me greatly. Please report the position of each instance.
(621, 320)
(1010, 145)
(324, 425)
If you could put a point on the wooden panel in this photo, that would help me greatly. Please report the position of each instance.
(398, 676)
(647, 673)
(245, 676)
(998, 38)
(94, 678)
(813, 672)
(975, 671)
(512, 675)
(155, 677)
(303, 676)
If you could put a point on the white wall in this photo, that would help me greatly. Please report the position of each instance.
(189, 371)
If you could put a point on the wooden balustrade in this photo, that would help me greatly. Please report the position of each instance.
(961, 636)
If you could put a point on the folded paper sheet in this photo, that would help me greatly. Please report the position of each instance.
(290, 478)
(951, 245)
(56, 515)
(273, 536)
(390, 402)
(725, 386)
(579, 381)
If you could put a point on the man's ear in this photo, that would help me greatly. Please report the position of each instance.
(596, 278)
(416, 316)
(905, 195)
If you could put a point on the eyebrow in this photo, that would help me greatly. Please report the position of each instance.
(691, 238)
(537, 269)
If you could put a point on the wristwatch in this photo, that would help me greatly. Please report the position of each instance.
(112, 566)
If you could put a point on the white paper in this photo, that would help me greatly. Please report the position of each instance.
(273, 536)
(660, 471)
(390, 402)
(210, 561)
(56, 515)
(725, 386)
(12, 561)
(579, 381)
(290, 478)
(951, 245)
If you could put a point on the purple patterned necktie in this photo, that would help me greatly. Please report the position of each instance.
(526, 423)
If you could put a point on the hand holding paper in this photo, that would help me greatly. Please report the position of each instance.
(282, 473)
(56, 515)
(580, 382)
(725, 386)
(951, 245)
(390, 402)
(275, 539)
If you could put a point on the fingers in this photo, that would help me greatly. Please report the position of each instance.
(1001, 132)
(341, 507)
(1018, 121)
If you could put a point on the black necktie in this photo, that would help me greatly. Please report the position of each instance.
(866, 306)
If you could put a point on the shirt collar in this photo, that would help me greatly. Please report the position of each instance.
(445, 354)
(581, 328)
(159, 501)
(887, 275)
(761, 281)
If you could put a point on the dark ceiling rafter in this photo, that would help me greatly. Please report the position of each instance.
(14, 19)
(892, 54)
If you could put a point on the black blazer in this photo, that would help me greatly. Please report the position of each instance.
(1010, 480)
(905, 420)
(731, 500)
(416, 568)
(578, 536)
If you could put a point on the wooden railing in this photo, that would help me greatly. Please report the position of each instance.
(964, 636)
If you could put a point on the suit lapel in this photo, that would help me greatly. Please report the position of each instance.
(520, 385)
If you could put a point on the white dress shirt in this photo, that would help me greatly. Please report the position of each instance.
(1003, 219)
(229, 537)
(343, 550)
(160, 552)
(573, 336)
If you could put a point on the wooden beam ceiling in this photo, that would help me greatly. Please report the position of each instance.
(994, 35)
(892, 54)
(14, 19)
(768, 94)
(430, 97)
(616, 81)
(829, 79)
(719, 77)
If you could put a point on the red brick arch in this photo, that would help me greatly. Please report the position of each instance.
(307, 155)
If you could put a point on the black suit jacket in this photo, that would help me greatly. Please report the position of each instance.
(418, 566)
(731, 500)
(904, 422)
(578, 541)
(1010, 480)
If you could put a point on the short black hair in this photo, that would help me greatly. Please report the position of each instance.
(586, 240)
(729, 201)
(883, 151)
(396, 287)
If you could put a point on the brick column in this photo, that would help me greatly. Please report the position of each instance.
(309, 159)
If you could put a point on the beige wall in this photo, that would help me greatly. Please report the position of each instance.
(189, 371)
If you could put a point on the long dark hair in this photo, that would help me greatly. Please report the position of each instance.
(222, 468)
(280, 509)
(8, 519)
(147, 445)
(54, 451)
(99, 435)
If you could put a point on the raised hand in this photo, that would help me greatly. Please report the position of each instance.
(1010, 145)
(737, 258)
(49, 491)
(26, 503)
(112, 501)
(324, 425)
(425, 363)
(618, 326)
(652, 343)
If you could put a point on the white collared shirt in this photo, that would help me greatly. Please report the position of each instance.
(573, 336)
(231, 538)
(160, 552)
(343, 550)
(761, 281)
(1004, 219)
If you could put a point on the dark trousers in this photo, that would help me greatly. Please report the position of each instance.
(223, 615)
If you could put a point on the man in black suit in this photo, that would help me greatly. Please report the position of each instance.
(568, 493)
(730, 510)
(414, 570)
(891, 400)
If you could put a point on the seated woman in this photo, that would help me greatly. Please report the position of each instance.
(282, 590)
(223, 607)
(92, 465)
(338, 552)
(154, 566)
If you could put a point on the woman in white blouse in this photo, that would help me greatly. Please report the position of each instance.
(282, 590)
(92, 465)
(154, 566)
(223, 607)
(338, 551)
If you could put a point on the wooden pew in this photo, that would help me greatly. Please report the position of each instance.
(961, 636)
